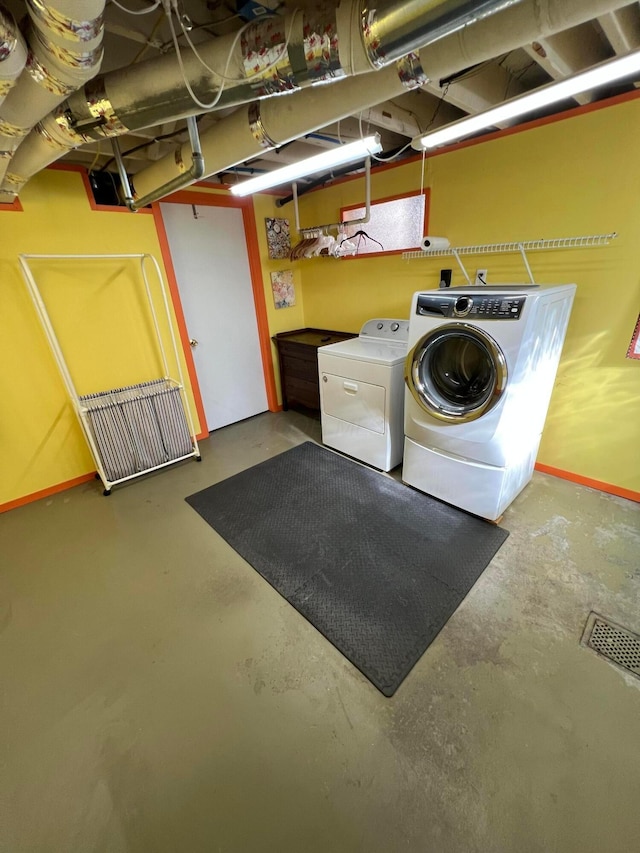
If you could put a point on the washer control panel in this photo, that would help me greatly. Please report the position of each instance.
(503, 307)
(488, 306)
(386, 329)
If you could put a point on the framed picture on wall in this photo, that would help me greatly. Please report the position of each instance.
(278, 238)
(634, 346)
(284, 294)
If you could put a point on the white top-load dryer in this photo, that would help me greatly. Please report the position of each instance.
(479, 372)
(362, 393)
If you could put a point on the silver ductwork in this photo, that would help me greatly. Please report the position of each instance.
(390, 29)
(520, 25)
(13, 53)
(279, 55)
(233, 139)
(267, 124)
(274, 56)
(64, 51)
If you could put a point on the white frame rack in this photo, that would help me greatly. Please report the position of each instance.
(82, 410)
(524, 246)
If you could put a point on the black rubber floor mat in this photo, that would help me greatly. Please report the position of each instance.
(375, 566)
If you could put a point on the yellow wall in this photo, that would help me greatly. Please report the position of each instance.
(577, 176)
(100, 316)
(280, 319)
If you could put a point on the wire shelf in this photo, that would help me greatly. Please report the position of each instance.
(585, 242)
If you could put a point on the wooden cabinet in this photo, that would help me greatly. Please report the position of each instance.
(298, 358)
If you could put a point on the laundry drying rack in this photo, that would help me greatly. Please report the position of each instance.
(136, 428)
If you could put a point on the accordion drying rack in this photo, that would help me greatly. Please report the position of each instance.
(134, 429)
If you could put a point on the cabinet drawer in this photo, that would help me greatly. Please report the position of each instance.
(303, 352)
(298, 360)
(301, 391)
(300, 368)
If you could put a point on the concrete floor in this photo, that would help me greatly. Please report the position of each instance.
(160, 697)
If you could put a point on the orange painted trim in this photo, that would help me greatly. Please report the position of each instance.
(210, 199)
(102, 208)
(498, 134)
(105, 208)
(44, 493)
(179, 313)
(227, 187)
(274, 192)
(255, 271)
(588, 481)
(409, 194)
(14, 206)
(112, 208)
(66, 167)
(257, 285)
(538, 122)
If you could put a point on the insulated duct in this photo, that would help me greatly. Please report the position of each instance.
(267, 57)
(520, 25)
(13, 53)
(267, 124)
(271, 123)
(65, 50)
(277, 55)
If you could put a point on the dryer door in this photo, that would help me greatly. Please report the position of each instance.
(456, 372)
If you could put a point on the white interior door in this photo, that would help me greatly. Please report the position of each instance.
(210, 259)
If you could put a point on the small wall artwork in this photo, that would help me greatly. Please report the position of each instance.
(278, 238)
(634, 346)
(284, 294)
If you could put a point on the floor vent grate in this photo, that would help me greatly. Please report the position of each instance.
(612, 641)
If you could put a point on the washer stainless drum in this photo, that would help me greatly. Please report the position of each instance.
(479, 374)
(362, 393)
(457, 373)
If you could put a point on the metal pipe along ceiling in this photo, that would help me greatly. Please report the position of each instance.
(268, 124)
(279, 55)
(264, 125)
(267, 57)
(64, 51)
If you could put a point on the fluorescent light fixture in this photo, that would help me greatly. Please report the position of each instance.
(337, 156)
(606, 72)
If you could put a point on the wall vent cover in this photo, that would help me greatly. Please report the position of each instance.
(613, 642)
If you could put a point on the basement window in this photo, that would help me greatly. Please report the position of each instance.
(396, 225)
(105, 187)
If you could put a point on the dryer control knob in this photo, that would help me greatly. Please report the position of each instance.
(395, 327)
(462, 306)
(380, 326)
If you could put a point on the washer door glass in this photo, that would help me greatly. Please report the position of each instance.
(456, 372)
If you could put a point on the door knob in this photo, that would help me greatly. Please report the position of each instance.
(193, 343)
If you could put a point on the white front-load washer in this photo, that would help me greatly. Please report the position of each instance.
(479, 372)
(362, 393)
